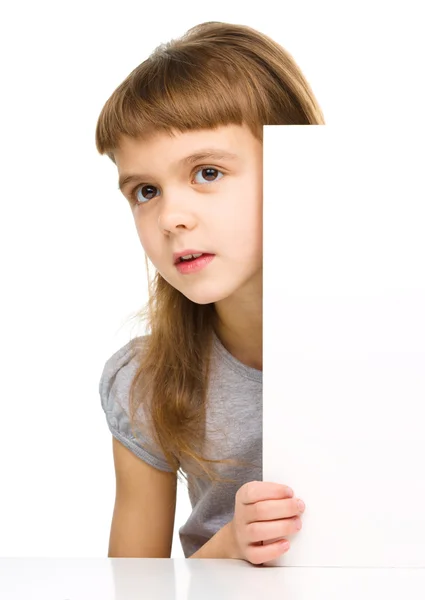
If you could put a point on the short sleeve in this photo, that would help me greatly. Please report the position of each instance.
(114, 390)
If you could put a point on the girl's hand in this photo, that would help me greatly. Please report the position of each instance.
(263, 512)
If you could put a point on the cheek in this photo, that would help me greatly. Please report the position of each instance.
(245, 199)
(141, 236)
(144, 237)
(253, 217)
(252, 210)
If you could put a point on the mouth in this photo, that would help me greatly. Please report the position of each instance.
(189, 266)
(189, 256)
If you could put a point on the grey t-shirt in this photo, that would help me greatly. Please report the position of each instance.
(233, 430)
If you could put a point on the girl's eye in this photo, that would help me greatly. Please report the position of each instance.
(143, 193)
(208, 173)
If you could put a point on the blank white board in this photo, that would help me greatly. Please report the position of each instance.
(344, 340)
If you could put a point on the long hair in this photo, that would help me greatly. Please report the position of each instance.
(215, 74)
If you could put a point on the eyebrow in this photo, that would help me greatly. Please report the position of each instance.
(204, 154)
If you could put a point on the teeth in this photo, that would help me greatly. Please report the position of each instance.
(189, 256)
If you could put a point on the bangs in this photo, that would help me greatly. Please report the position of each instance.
(215, 75)
(180, 92)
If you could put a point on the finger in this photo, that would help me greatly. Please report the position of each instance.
(258, 555)
(272, 510)
(272, 530)
(257, 491)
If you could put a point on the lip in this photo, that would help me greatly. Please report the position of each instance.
(192, 267)
(178, 255)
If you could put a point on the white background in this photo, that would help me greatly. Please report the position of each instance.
(72, 266)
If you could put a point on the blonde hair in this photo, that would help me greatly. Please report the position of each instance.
(215, 74)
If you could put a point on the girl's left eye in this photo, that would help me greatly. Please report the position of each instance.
(208, 172)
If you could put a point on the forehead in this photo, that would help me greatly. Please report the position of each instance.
(164, 147)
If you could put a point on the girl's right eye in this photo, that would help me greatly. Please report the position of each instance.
(146, 193)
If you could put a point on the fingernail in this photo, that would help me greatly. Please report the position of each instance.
(301, 505)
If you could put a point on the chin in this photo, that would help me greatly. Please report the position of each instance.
(204, 293)
(202, 298)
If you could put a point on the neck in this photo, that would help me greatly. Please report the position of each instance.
(240, 326)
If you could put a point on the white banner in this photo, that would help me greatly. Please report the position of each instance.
(344, 340)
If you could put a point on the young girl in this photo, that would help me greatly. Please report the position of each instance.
(185, 132)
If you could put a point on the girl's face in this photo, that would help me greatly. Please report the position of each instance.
(211, 203)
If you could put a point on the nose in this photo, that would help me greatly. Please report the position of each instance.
(174, 215)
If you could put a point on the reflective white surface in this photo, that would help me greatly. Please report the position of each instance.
(202, 579)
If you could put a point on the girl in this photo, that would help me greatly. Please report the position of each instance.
(185, 132)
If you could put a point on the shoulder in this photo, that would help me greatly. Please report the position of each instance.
(119, 371)
(114, 389)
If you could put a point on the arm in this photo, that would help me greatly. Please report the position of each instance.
(144, 511)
